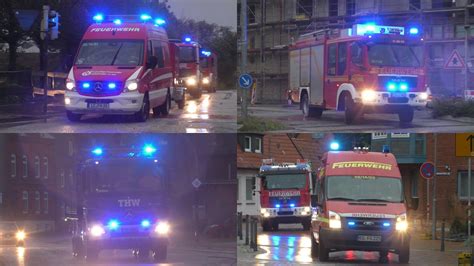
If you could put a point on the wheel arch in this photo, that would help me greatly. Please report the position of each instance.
(345, 88)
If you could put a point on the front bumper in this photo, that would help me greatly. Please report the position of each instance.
(125, 103)
(289, 215)
(392, 101)
(347, 239)
(127, 242)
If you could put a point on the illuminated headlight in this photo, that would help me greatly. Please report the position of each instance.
(97, 230)
(67, 101)
(265, 212)
(307, 209)
(162, 228)
(334, 220)
(205, 80)
(191, 82)
(131, 85)
(369, 96)
(402, 223)
(423, 96)
(70, 85)
(20, 235)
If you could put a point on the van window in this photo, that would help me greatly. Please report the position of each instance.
(110, 53)
(158, 51)
(332, 60)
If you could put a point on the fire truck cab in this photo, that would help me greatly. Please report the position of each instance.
(359, 206)
(208, 63)
(285, 194)
(364, 69)
(123, 66)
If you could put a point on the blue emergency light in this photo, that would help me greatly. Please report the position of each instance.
(86, 85)
(98, 18)
(206, 53)
(160, 21)
(117, 22)
(292, 205)
(97, 151)
(351, 223)
(277, 206)
(145, 223)
(149, 149)
(112, 85)
(414, 31)
(187, 39)
(334, 146)
(372, 28)
(113, 224)
(394, 86)
(145, 17)
(386, 224)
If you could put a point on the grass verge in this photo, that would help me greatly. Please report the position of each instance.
(261, 125)
(453, 107)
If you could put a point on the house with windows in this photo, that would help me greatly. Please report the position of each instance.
(287, 148)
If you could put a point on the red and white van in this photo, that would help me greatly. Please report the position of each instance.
(122, 67)
(359, 205)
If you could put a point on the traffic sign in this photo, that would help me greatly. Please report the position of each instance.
(465, 144)
(245, 81)
(455, 61)
(427, 170)
(196, 183)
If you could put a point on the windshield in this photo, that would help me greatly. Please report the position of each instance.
(134, 176)
(110, 53)
(368, 188)
(395, 55)
(284, 181)
(187, 54)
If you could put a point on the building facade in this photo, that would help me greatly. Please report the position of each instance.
(274, 25)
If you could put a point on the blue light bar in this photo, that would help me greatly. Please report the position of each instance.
(206, 53)
(414, 31)
(112, 85)
(403, 87)
(160, 21)
(391, 86)
(97, 151)
(351, 223)
(292, 205)
(277, 206)
(113, 224)
(117, 21)
(386, 224)
(86, 85)
(334, 146)
(98, 18)
(145, 17)
(187, 39)
(145, 223)
(149, 149)
(371, 28)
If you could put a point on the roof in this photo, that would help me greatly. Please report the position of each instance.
(125, 30)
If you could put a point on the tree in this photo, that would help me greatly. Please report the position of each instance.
(10, 31)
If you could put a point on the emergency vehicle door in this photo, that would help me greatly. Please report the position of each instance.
(335, 72)
(317, 75)
(161, 73)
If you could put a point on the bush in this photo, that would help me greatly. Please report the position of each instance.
(255, 124)
(453, 107)
(457, 227)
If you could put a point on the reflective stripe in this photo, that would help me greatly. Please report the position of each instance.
(162, 77)
(135, 74)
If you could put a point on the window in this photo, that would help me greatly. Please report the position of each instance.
(251, 17)
(249, 188)
(333, 8)
(437, 31)
(342, 59)
(248, 144)
(332, 60)
(24, 162)
(239, 14)
(304, 7)
(45, 167)
(13, 165)
(414, 185)
(415, 4)
(356, 54)
(37, 167)
(37, 203)
(350, 7)
(158, 51)
(378, 135)
(462, 185)
(62, 178)
(46, 202)
(258, 145)
(442, 3)
(25, 201)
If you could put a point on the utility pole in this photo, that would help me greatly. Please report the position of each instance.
(466, 49)
(45, 36)
(433, 212)
(244, 42)
(469, 213)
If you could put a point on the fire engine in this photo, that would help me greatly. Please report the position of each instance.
(208, 63)
(364, 69)
(189, 73)
(359, 205)
(122, 67)
(121, 203)
(285, 194)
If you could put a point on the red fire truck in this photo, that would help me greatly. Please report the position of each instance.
(209, 70)
(285, 194)
(189, 73)
(122, 67)
(364, 69)
(359, 205)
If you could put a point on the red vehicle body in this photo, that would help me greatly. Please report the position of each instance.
(189, 73)
(359, 206)
(208, 64)
(365, 69)
(285, 195)
(121, 68)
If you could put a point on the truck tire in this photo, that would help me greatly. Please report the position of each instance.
(406, 115)
(73, 117)
(160, 253)
(314, 247)
(181, 104)
(404, 253)
(196, 94)
(144, 113)
(323, 251)
(163, 109)
(306, 225)
(310, 111)
(383, 257)
(266, 226)
(352, 111)
(275, 226)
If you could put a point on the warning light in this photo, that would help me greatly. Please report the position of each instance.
(187, 39)
(86, 85)
(277, 206)
(206, 53)
(145, 17)
(334, 146)
(160, 21)
(97, 151)
(292, 205)
(98, 18)
(113, 224)
(414, 31)
(145, 223)
(112, 85)
(149, 149)
(118, 22)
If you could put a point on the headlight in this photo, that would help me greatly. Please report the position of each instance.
(162, 228)
(265, 212)
(131, 85)
(369, 96)
(205, 80)
(334, 220)
(20, 235)
(402, 223)
(423, 96)
(191, 82)
(97, 230)
(67, 101)
(70, 85)
(307, 209)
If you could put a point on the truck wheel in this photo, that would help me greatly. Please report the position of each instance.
(351, 110)
(404, 253)
(406, 115)
(144, 113)
(143, 254)
(275, 226)
(383, 256)
(163, 109)
(160, 253)
(310, 111)
(73, 117)
(306, 225)
(323, 251)
(314, 247)
(181, 103)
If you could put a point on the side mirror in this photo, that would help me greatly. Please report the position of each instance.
(152, 62)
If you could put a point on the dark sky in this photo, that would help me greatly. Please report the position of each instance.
(221, 12)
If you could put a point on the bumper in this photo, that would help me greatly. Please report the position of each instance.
(178, 93)
(125, 103)
(389, 101)
(127, 242)
(346, 239)
(287, 219)
(289, 215)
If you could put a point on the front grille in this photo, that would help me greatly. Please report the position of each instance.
(412, 82)
(285, 213)
(398, 100)
(99, 88)
(284, 201)
(375, 224)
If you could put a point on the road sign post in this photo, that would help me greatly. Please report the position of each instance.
(243, 67)
(427, 170)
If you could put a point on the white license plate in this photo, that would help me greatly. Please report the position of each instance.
(98, 105)
(399, 94)
(285, 210)
(369, 238)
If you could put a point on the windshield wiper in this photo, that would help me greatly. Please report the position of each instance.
(379, 200)
(341, 198)
(116, 55)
